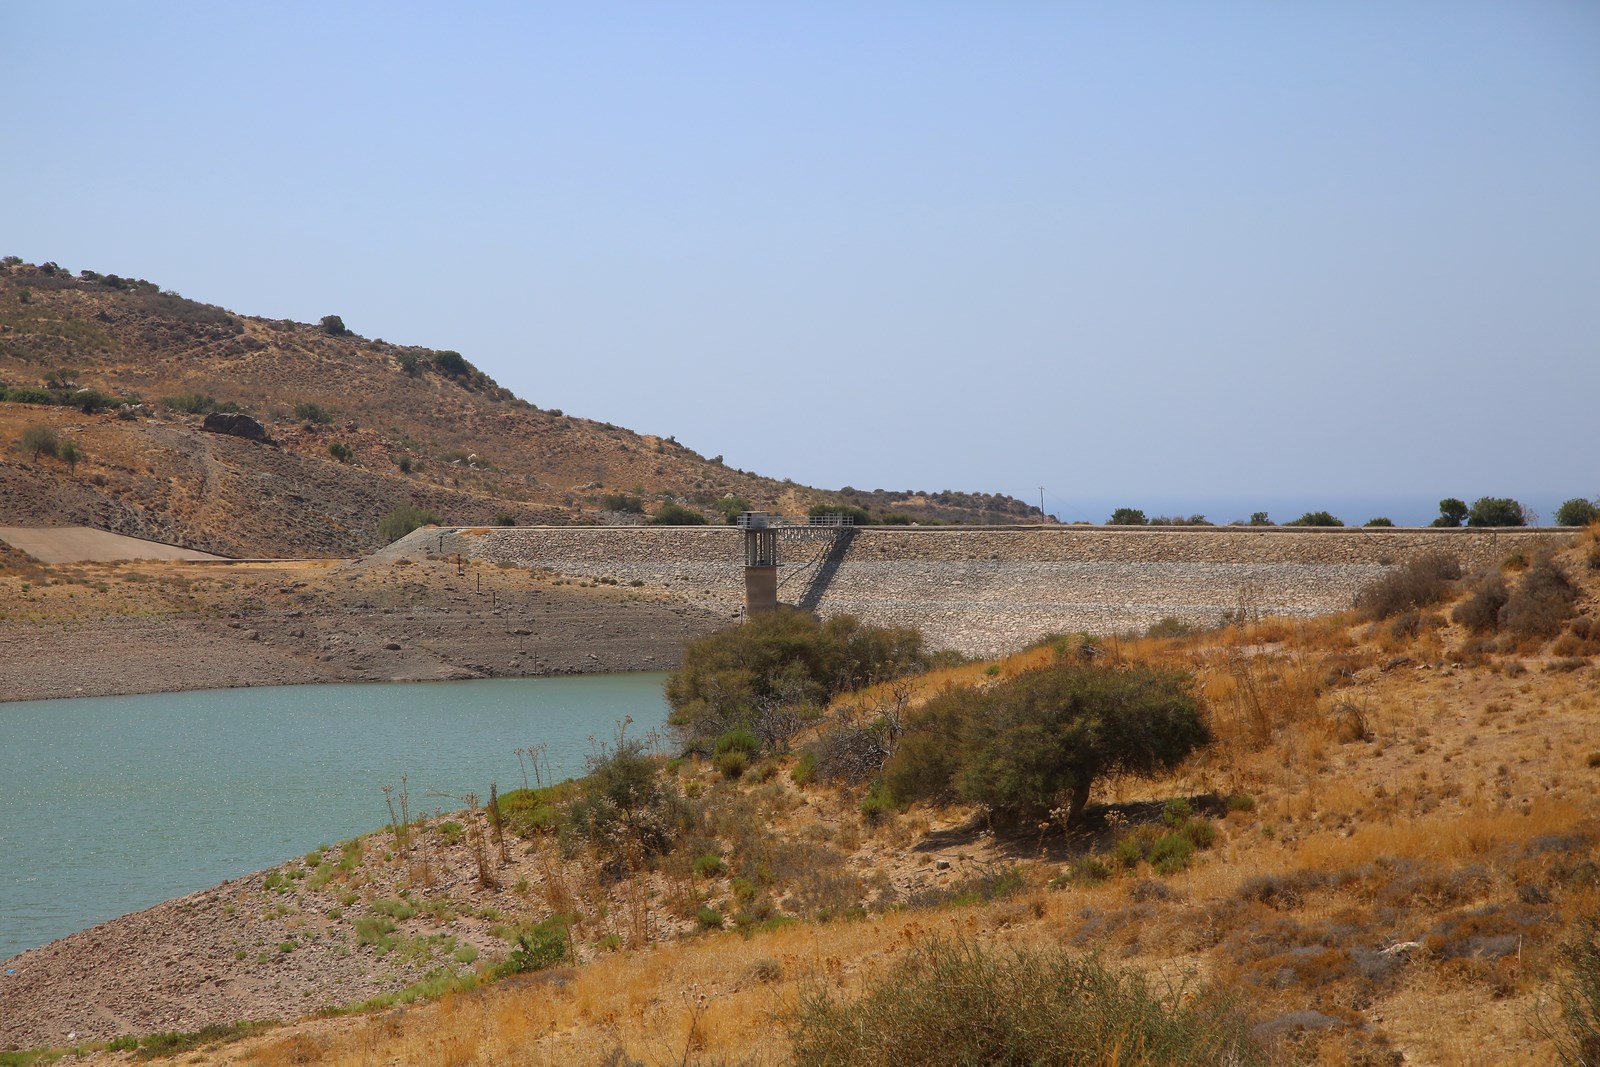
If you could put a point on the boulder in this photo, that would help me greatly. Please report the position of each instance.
(234, 424)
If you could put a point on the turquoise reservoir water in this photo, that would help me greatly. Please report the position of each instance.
(113, 804)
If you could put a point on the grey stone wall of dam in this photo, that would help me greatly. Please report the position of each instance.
(986, 590)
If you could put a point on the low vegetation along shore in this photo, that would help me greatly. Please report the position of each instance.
(1366, 838)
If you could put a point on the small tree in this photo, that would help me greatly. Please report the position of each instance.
(1259, 518)
(1578, 512)
(403, 519)
(334, 326)
(70, 454)
(1452, 512)
(1127, 517)
(41, 441)
(1381, 520)
(340, 451)
(1496, 511)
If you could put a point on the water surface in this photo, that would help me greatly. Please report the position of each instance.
(113, 804)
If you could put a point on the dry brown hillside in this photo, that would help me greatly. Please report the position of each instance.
(357, 426)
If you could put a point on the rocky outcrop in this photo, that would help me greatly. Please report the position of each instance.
(235, 424)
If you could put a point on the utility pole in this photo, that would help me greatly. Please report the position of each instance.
(1041, 504)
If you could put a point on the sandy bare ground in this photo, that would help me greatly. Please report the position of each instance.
(108, 629)
(83, 544)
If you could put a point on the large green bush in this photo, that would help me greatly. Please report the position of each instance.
(1496, 511)
(1127, 517)
(765, 674)
(1578, 512)
(1033, 745)
(952, 1004)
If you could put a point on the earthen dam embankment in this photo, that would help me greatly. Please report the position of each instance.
(985, 590)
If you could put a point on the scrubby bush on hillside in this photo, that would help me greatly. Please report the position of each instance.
(773, 673)
(949, 1004)
(402, 520)
(1032, 746)
(1578, 996)
(1316, 518)
(313, 413)
(1127, 517)
(1578, 512)
(1417, 583)
(334, 326)
(341, 451)
(1480, 612)
(623, 502)
(41, 441)
(670, 514)
(451, 363)
(24, 394)
(626, 810)
(1542, 602)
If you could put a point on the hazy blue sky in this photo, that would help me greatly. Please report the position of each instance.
(1182, 256)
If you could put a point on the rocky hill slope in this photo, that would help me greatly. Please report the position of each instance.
(126, 372)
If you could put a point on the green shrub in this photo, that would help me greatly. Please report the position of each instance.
(1578, 512)
(28, 395)
(402, 520)
(410, 363)
(451, 364)
(623, 502)
(710, 865)
(1316, 518)
(41, 441)
(1452, 512)
(341, 451)
(1035, 743)
(334, 326)
(193, 403)
(877, 805)
(537, 947)
(708, 917)
(505, 518)
(70, 454)
(625, 810)
(315, 413)
(731, 764)
(952, 1004)
(760, 676)
(732, 507)
(670, 514)
(1496, 511)
(1379, 521)
(1127, 517)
